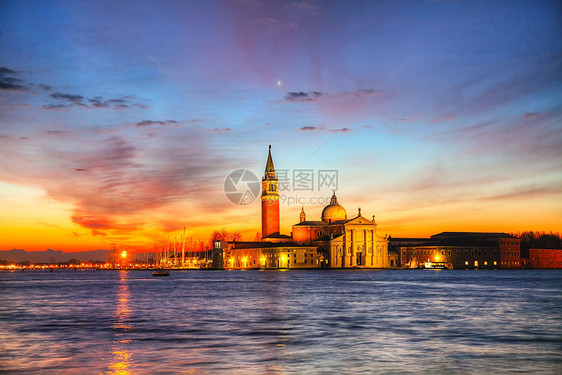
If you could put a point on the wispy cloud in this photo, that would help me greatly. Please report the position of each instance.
(8, 82)
(539, 140)
(531, 115)
(55, 106)
(112, 182)
(313, 96)
(322, 129)
(102, 224)
(58, 132)
(67, 97)
(341, 130)
(495, 88)
(303, 96)
(44, 87)
(151, 122)
(525, 192)
(64, 100)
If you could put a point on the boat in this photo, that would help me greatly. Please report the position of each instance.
(435, 265)
(161, 273)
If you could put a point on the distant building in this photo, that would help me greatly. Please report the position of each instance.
(245, 255)
(333, 242)
(545, 258)
(467, 250)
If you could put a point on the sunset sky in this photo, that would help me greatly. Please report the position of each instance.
(119, 121)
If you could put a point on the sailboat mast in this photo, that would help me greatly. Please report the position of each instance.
(167, 259)
(183, 248)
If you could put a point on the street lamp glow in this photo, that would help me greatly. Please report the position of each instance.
(124, 254)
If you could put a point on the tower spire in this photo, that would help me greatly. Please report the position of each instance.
(269, 168)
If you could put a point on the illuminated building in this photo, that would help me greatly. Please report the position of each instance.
(459, 249)
(244, 255)
(333, 242)
(269, 200)
(545, 258)
(343, 242)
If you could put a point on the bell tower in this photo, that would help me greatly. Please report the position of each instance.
(269, 199)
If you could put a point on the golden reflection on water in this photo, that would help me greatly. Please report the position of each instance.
(122, 357)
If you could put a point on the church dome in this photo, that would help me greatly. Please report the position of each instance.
(333, 212)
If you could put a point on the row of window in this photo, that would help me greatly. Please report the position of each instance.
(514, 243)
(458, 252)
(476, 264)
(510, 253)
(244, 261)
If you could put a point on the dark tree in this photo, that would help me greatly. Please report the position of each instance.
(224, 235)
(538, 240)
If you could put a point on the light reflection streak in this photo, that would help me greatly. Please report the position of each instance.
(122, 357)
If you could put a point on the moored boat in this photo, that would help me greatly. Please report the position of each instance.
(161, 273)
(435, 265)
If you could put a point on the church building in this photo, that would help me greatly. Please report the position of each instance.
(335, 241)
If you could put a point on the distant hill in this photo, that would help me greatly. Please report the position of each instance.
(52, 256)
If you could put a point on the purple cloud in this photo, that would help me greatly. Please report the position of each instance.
(69, 100)
(303, 96)
(150, 122)
(531, 115)
(10, 83)
(312, 96)
(68, 97)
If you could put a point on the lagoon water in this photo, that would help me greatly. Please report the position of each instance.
(292, 322)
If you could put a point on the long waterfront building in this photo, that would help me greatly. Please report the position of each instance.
(464, 250)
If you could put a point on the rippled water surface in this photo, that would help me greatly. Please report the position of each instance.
(297, 322)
